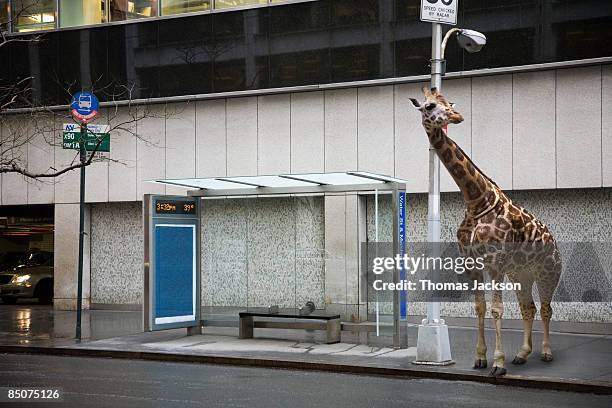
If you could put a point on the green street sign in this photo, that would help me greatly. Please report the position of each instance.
(72, 137)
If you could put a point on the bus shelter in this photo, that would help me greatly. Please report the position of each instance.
(172, 236)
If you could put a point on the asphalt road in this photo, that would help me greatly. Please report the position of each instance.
(91, 382)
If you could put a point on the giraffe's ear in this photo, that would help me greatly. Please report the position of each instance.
(415, 103)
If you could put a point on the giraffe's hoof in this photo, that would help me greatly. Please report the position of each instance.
(546, 357)
(480, 363)
(497, 372)
(519, 360)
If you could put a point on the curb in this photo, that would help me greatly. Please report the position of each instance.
(508, 380)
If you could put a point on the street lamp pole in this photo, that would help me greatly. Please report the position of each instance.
(433, 346)
(438, 68)
(433, 202)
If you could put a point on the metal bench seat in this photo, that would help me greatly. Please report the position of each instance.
(329, 323)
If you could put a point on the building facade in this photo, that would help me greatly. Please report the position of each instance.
(308, 86)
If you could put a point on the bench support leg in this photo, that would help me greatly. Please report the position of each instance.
(191, 331)
(246, 328)
(333, 331)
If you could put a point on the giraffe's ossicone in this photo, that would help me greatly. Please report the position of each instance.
(513, 243)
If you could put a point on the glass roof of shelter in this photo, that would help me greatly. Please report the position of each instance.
(284, 181)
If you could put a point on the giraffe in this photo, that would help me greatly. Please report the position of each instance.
(524, 248)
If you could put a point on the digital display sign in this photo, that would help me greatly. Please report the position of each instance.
(175, 207)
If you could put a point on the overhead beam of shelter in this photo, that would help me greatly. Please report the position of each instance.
(287, 184)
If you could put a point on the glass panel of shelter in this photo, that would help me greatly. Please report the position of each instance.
(379, 238)
(262, 252)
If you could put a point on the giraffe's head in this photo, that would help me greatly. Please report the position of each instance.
(436, 111)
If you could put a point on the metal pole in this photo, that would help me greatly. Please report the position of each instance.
(376, 255)
(83, 157)
(433, 202)
(433, 346)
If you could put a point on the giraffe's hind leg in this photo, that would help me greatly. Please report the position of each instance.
(546, 313)
(481, 346)
(528, 311)
(547, 281)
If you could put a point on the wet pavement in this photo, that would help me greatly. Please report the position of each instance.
(28, 323)
(577, 357)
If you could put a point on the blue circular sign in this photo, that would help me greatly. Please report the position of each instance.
(84, 106)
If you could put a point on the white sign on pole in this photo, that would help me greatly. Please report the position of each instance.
(439, 11)
(92, 128)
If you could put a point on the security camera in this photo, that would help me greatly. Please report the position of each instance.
(471, 41)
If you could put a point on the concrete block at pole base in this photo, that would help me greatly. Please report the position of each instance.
(433, 346)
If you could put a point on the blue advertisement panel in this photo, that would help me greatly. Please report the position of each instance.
(175, 273)
(172, 272)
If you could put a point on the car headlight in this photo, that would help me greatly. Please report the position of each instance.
(21, 278)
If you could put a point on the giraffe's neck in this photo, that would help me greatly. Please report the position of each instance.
(479, 191)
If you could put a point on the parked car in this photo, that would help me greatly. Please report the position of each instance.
(32, 277)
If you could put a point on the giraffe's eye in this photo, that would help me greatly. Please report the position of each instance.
(430, 106)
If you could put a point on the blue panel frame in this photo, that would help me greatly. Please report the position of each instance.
(174, 270)
(402, 249)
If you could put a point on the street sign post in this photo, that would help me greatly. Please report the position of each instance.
(83, 107)
(439, 11)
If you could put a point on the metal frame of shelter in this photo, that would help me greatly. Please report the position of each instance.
(312, 183)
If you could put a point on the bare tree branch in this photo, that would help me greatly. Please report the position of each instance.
(41, 126)
(44, 126)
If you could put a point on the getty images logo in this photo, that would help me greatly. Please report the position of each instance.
(445, 2)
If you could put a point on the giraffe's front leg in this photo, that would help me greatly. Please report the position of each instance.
(499, 358)
(481, 346)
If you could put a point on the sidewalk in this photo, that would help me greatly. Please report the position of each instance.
(581, 362)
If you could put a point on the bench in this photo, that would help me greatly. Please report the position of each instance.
(331, 323)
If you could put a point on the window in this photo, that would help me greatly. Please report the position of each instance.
(82, 12)
(300, 68)
(4, 18)
(32, 15)
(132, 9)
(221, 4)
(169, 7)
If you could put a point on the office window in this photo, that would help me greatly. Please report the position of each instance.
(355, 63)
(32, 15)
(300, 68)
(221, 4)
(169, 7)
(74, 13)
(132, 9)
(354, 12)
(4, 15)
